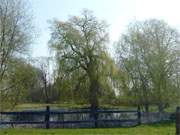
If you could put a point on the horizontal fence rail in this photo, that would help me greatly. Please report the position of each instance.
(93, 117)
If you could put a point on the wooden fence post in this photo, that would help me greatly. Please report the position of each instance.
(47, 117)
(96, 118)
(63, 120)
(139, 115)
(178, 120)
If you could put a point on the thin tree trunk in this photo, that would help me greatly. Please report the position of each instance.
(161, 108)
(146, 108)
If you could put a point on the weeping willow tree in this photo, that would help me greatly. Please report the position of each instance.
(82, 59)
(149, 54)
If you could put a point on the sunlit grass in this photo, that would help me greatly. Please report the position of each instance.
(64, 105)
(154, 129)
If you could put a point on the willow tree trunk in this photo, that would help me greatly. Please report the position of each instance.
(93, 94)
(93, 99)
(94, 85)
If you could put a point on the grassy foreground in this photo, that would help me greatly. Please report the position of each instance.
(155, 129)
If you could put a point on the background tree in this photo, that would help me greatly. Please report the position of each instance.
(149, 54)
(17, 83)
(44, 68)
(15, 33)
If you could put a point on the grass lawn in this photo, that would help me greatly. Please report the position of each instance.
(154, 129)
(37, 106)
(34, 106)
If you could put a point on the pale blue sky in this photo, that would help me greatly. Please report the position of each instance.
(117, 13)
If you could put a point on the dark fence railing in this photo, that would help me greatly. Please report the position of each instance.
(94, 117)
(178, 120)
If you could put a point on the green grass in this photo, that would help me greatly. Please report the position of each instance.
(154, 129)
(35, 106)
(42, 106)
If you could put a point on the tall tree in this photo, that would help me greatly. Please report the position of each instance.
(15, 32)
(79, 44)
(150, 58)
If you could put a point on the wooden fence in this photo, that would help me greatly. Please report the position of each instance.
(178, 121)
(94, 117)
